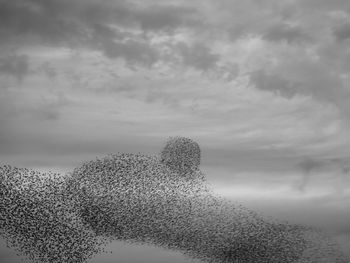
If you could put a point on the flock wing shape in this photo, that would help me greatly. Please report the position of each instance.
(161, 200)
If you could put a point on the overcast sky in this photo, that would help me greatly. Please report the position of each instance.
(262, 86)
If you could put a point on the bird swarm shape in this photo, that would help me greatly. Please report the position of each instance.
(160, 200)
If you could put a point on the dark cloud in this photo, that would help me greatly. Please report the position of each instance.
(290, 34)
(310, 166)
(167, 18)
(102, 31)
(14, 65)
(342, 32)
(274, 83)
(304, 76)
(307, 166)
(92, 24)
(346, 169)
(133, 52)
(48, 70)
(36, 21)
(197, 56)
(323, 5)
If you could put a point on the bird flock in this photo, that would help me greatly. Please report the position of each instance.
(161, 200)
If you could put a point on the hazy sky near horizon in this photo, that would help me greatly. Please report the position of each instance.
(262, 86)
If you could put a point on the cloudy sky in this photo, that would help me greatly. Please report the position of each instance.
(262, 86)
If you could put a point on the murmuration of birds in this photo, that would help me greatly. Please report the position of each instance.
(161, 200)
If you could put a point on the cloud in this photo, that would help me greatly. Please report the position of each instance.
(160, 50)
(14, 65)
(132, 51)
(35, 19)
(108, 26)
(274, 83)
(48, 109)
(197, 56)
(49, 70)
(312, 167)
(292, 71)
(166, 17)
(324, 5)
(342, 33)
(290, 34)
(23, 109)
(309, 164)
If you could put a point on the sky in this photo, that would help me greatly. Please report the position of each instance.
(262, 86)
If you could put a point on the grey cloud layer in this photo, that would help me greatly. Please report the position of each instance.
(14, 65)
(107, 26)
(308, 45)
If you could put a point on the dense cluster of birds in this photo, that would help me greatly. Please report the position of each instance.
(160, 200)
(37, 219)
